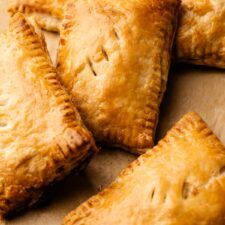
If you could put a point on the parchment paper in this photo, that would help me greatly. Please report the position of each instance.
(190, 88)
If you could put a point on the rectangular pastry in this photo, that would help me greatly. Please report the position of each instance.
(200, 37)
(114, 58)
(181, 181)
(42, 137)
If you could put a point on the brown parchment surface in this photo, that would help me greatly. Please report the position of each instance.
(190, 88)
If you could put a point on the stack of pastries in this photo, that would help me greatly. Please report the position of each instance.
(112, 69)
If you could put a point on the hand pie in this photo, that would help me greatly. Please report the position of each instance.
(41, 135)
(114, 58)
(180, 182)
(47, 13)
(201, 33)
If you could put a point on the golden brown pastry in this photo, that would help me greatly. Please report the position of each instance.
(42, 137)
(114, 58)
(180, 182)
(48, 13)
(201, 34)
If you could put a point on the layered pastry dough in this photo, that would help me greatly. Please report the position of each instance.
(180, 182)
(48, 13)
(42, 137)
(114, 58)
(201, 34)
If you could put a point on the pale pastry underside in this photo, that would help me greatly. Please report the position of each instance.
(47, 13)
(200, 37)
(181, 181)
(47, 22)
(42, 137)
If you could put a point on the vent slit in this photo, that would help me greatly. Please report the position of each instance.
(105, 53)
(116, 34)
(91, 66)
(153, 194)
(185, 190)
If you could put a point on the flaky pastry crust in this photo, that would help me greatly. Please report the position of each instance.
(42, 137)
(181, 181)
(201, 34)
(114, 58)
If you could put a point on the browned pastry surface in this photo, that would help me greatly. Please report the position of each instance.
(114, 58)
(42, 137)
(201, 34)
(180, 182)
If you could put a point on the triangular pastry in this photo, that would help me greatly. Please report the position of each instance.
(114, 58)
(42, 137)
(181, 181)
(201, 33)
(48, 13)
